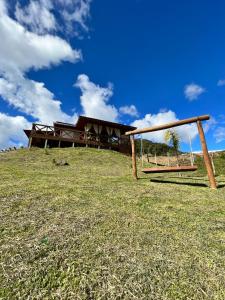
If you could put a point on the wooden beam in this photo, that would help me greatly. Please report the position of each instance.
(170, 169)
(134, 163)
(30, 142)
(168, 125)
(46, 143)
(207, 160)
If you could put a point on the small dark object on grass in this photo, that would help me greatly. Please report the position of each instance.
(60, 162)
(47, 151)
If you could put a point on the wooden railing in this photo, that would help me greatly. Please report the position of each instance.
(76, 136)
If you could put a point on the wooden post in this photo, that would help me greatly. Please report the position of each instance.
(30, 142)
(134, 164)
(98, 140)
(59, 144)
(73, 145)
(207, 160)
(46, 143)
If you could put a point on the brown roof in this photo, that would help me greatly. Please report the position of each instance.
(82, 121)
(27, 132)
(64, 125)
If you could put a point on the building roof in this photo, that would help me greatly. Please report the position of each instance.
(27, 132)
(64, 125)
(82, 121)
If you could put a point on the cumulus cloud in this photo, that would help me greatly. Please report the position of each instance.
(94, 99)
(76, 11)
(193, 91)
(11, 130)
(129, 110)
(219, 134)
(38, 15)
(221, 82)
(21, 51)
(185, 132)
(33, 99)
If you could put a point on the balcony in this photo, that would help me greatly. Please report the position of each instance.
(51, 133)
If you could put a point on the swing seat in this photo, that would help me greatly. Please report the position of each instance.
(170, 169)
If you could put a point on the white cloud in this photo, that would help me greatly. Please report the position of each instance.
(3, 7)
(185, 132)
(94, 99)
(219, 134)
(11, 130)
(38, 15)
(32, 98)
(21, 51)
(193, 91)
(129, 110)
(76, 11)
(221, 82)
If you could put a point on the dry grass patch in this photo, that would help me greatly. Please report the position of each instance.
(89, 231)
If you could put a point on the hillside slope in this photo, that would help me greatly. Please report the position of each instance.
(89, 231)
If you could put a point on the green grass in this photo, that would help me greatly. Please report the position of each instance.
(89, 231)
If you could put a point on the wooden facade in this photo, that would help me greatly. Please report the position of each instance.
(87, 132)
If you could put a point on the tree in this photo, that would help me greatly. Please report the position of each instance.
(172, 139)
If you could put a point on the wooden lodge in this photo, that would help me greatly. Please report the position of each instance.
(87, 132)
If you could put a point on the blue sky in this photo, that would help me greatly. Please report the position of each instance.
(143, 62)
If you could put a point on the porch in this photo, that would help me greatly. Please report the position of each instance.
(94, 136)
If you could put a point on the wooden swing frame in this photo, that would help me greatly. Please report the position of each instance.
(207, 160)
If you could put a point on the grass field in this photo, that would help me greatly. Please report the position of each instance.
(89, 231)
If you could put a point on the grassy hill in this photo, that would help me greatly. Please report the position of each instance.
(151, 147)
(89, 231)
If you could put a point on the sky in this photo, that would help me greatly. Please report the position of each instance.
(139, 62)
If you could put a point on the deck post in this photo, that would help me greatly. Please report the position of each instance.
(86, 138)
(30, 142)
(207, 160)
(73, 145)
(46, 143)
(59, 144)
(134, 163)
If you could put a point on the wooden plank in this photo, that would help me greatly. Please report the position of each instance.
(168, 125)
(207, 160)
(170, 169)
